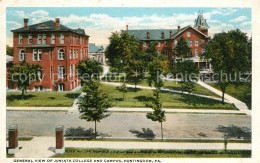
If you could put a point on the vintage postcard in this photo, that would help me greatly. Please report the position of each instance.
(129, 82)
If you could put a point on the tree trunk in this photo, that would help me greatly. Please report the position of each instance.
(95, 129)
(162, 130)
(123, 96)
(223, 95)
(23, 93)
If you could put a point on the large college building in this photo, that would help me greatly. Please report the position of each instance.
(195, 36)
(57, 48)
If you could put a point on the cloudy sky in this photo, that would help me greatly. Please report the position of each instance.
(100, 22)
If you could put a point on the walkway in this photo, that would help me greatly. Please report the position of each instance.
(239, 104)
(43, 147)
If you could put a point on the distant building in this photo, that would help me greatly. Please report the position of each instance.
(195, 36)
(57, 48)
(97, 53)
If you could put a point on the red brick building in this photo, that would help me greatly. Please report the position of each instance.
(57, 48)
(195, 36)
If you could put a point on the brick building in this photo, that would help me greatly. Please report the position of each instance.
(57, 48)
(195, 36)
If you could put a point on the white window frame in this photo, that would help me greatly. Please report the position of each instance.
(158, 45)
(30, 38)
(61, 55)
(196, 42)
(175, 43)
(53, 38)
(144, 44)
(34, 55)
(22, 55)
(39, 56)
(44, 39)
(202, 42)
(61, 70)
(73, 57)
(39, 39)
(203, 51)
(61, 38)
(196, 52)
(189, 42)
(20, 39)
(188, 34)
(70, 56)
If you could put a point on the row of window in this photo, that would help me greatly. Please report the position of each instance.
(189, 42)
(77, 40)
(41, 38)
(37, 54)
(61, 71)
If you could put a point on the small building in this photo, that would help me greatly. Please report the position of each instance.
(56, 48)
(97, 53)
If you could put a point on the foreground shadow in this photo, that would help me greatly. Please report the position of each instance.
(15, 97)
(83, 133)
(145, 133)
(233, 131)
(72, 95)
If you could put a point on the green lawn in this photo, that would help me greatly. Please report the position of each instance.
(139, 97)
(41, 99)
(241, 92)
(167, 84)
(106, 153)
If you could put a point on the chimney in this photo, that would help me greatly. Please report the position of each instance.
(162, 35)
(148, 35)
(25, 23)
(57, 23)
(179, 27)
(170, 34)
(126, 27)
(199, 28)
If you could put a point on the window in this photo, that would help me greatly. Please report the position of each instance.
(61, 87)
(29, 38)
(158, 45)
(188, 34)
(39, 39)
(22, 55)
(60, 54)
(196, 42)
(76, 53)
(70, 69)
(73, 57)
(61, 71)
(81, 54)
(34, 54)
(71, 41)
(165, 43)
(51, 72)
(201, 41)
(196, 53)
(71, 85)
(203, 51)
(44, 39)
(175, 43)
(73, 70)
(80, 41)
(144, 44)
(39, 74)
(62, 38)
(70, 54)
(20, 39)
(189, 42)
(53, 38)
(39, 55)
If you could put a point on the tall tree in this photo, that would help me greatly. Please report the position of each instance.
(89, 69)
(158, 114)
(22, 75)
(94, 104)
(182, 49)
(121, 46)
(229, 57)
(9, 50)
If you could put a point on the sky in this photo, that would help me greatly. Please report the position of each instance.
(100, 22)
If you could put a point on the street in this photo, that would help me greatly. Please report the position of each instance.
(119, 124)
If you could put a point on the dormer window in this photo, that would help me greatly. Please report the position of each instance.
(188, 34)
(39, 39)
(42, 26)
(53, 38)
(29, 38)
(20, 39)
(61, 38)
(44, 39)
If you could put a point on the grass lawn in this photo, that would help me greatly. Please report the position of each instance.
(168, 84)
(105, 153)
(139, 97)
(41, 99)
(240, 92)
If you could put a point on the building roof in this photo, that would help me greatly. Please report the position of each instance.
(156, 34)
(49, 26)
(9, 58)
(94, 49)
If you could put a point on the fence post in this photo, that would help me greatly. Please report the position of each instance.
(60, 149)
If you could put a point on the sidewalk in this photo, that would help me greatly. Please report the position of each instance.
(43, 147)
(239, 104)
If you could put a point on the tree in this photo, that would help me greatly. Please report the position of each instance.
(21, 75)
(94, 104)
(89, 69)
(157, 114)
(123, 88)
(182, 49)
(229, 57)
(9, 50)
(121, 46)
